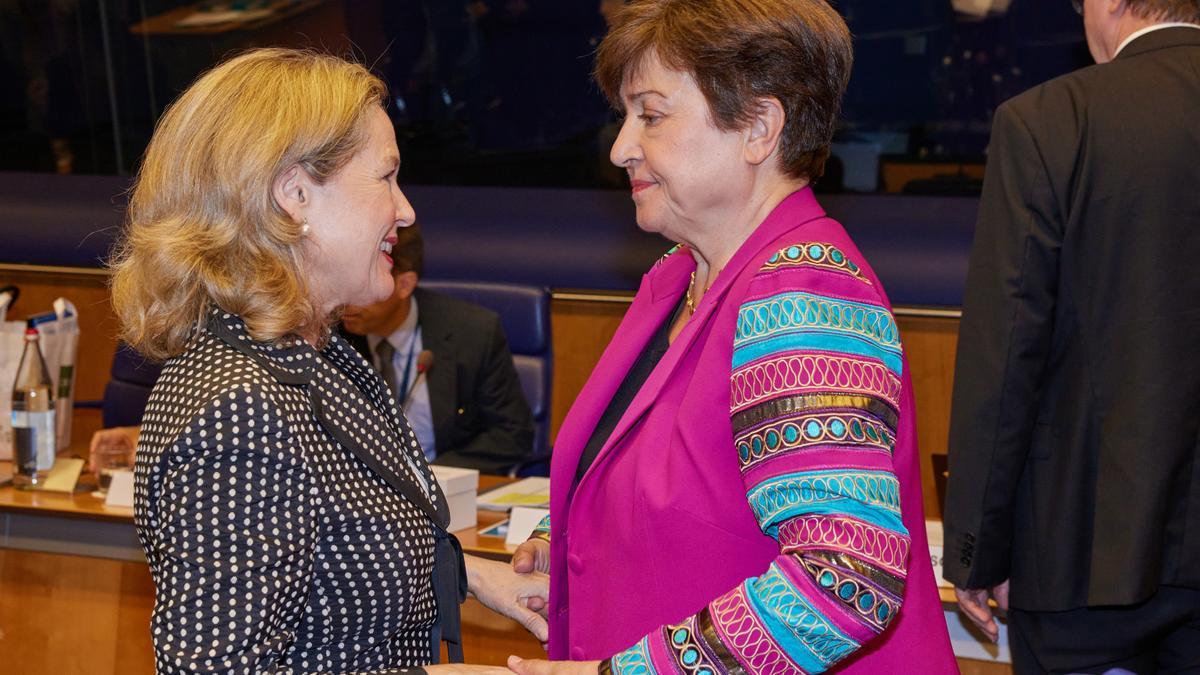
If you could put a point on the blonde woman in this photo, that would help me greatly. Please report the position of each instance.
(288, 515)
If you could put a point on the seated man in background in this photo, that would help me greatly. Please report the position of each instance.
(466, 406)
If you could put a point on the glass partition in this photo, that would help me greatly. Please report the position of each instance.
(498, 92)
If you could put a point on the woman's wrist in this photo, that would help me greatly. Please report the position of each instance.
(473, 564)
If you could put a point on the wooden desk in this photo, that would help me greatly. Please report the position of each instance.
(72, 573)
(76, 594)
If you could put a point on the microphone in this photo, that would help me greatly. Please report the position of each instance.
(424, 365)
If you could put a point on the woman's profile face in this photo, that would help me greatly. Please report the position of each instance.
(353, 218)
(682, 169)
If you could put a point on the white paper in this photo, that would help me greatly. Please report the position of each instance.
(968, 642)
(933, 531)
(12, 343)
(521, 523)
(60, 344)
(120, 491)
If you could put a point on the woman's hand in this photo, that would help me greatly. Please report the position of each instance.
(538, 667)
(505, 592)
(117, 441)
(532, 556)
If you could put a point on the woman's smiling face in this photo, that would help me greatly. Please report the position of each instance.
(353, 218)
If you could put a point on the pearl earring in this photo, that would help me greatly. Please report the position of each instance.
(305, 229)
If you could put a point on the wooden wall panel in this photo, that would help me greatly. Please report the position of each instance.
(580, 331)
(930, 344)
(134, 652)
(97, 331)
(97, 324)
(73, 614)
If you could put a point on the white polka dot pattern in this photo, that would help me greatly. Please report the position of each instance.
(273, 548)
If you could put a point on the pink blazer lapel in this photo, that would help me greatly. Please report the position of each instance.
(656, 299)
(653, 304)
(798, 208)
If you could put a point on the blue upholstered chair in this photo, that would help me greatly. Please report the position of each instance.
(525, 314)
(127, 391)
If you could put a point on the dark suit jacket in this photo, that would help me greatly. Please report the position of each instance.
(1075, 428)
(481, 419)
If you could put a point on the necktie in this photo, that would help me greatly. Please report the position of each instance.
(387, 367)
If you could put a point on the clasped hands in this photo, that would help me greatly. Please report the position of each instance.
(533, 558)
(520, 592)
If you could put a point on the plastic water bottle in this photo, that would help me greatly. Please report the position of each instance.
(32, 416)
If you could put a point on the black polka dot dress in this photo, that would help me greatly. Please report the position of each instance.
(285, 510)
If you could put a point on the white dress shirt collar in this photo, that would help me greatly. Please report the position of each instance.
(402, 336)
(1151, 29)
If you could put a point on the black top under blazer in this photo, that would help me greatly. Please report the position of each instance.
(1075, 429)
(286, 510)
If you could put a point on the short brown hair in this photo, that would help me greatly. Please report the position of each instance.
(797, 51)
(1187, 11)
(203, 229)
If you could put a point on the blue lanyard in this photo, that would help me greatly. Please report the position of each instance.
(408, 361)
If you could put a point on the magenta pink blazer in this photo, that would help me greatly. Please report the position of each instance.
(660, 525)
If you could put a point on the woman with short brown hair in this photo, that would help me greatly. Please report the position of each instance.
(736, 487)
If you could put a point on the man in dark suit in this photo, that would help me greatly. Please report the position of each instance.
(468, 409)
(1075, 432)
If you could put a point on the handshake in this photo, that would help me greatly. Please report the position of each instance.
(521, 592)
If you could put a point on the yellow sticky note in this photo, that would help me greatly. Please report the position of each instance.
(522, 499)
(63, 475)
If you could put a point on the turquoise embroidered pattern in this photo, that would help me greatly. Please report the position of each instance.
(818, 255)
(808, 625)
(856, 430)
(542, 531)
(634, 661)
(799, 493)
(875, 607)
(690, 654)
(793, 311)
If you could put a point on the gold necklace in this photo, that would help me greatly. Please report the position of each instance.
(687, 297)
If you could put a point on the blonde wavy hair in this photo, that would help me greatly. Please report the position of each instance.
(203, 229)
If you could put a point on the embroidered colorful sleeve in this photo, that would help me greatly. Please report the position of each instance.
(815, 399)
(542, 531)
